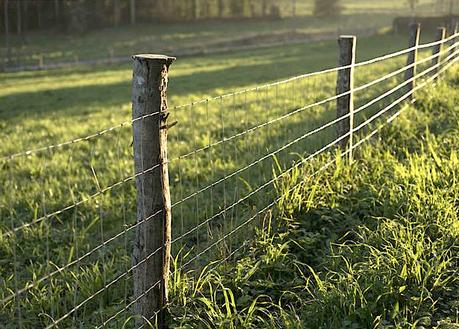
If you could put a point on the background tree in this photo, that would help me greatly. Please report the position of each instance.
(327, 7)
(132, 13)
(7, 31)
(237, 8)
(221, 8)
(412, 4)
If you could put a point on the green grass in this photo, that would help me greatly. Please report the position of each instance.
(371, 245)
(42, 108)
(169, 38)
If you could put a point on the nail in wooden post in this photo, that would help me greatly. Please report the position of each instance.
(345, 84)
(440, 36)
(153, 234)
(414, 33)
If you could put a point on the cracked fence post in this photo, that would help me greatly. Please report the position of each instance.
(437, 49)
(345, 84)
(151, 259)
(414, 33)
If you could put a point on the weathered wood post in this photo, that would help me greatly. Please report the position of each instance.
(153, 233)
(437, 49)
(414, 33)
(345, 84)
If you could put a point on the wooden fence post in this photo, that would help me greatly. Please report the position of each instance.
(455, 41)
(451, 44)
(40, 61)
(440, 36)
(345, 84)
(111, 55)
(414, 33)
(153, 233)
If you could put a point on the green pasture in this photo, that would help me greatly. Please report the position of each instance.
(359, 16)
(49, 107)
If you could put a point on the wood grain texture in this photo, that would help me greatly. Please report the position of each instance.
(345, 84)
(153, 233)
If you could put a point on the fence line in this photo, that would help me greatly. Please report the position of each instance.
(310, 157)
(148, 170)
(267, 85)
(328, 164)
(312, 105)
(324, 101)
(204, 220)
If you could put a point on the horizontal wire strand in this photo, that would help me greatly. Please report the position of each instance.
(322, 102)
(306, 75)
(301, 162)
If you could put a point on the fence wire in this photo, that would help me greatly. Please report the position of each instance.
(68, 230)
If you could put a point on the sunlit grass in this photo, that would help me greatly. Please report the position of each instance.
(372, 245)
(41, 108)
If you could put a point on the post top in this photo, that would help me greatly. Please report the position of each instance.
(154, 57)
(347, 37)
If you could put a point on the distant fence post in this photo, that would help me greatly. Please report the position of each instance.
(454, 41)
(451, 32)
(41, 61)
(111, 55)
(440, 36)
(345, 84)
(153, 234)
(414, 33)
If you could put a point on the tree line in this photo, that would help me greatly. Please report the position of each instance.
(82, 15)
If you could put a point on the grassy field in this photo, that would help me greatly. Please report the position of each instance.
(372, 245)
(42, 108)
(27, 49)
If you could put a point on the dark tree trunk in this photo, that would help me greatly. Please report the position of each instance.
(132, 11)
(7, 31)
(39, 18)
(208, 11)
(221, 8)
(26, 15)
(194, 5)
(116, 12)
(264, 7)
(18, 17)
(56, 10)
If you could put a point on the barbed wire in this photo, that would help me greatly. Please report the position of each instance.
(322, 102)
(202, 101)
(318, 103)
(310, 157)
